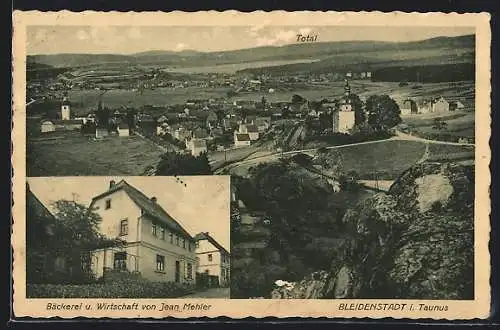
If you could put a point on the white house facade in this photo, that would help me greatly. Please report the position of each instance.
(212, 258)
(155, 244)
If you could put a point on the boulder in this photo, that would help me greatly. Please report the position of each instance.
(414, 242)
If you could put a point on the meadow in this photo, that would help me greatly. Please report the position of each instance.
(234, 67)
(85, 100)
(74, 154)
(384, 160)
(458, 124)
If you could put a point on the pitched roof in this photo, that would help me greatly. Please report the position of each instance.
(42, 213)
(147, 205)
(67, 122)
(200, 133)
(242, 137)
(41, 209)
(252, 129)
(123, 125)
(199, 143)
(206, 235)
(263, 119)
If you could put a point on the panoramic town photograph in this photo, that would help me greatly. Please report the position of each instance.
(350, 150)
(132, 237)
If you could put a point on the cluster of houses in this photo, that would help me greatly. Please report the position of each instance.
(67, 123)
(441, 104)
(195, 136)
(154, 243)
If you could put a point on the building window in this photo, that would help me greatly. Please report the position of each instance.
(197, 244)
(171, 238)
(184, 243)
(177, 240)
(120, 262)
(108, 204)
(124, 227)
(162, 233)
(190, 247)
(209, 257)
(154, 229)
(189, 271)
(160, 263)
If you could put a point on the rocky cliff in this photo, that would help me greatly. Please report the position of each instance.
(416, 241)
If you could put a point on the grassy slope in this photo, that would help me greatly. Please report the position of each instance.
(461, 124)
(78, 155)
(387, 159)
(443, 152)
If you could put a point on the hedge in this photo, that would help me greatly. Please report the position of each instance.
(116, 289)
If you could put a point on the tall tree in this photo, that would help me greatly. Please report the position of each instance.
(172, 163)
(383, 112)
(326, 120)
(76, 235)
(297, 99)
(263, 102)
(73, 235)
(358, 108)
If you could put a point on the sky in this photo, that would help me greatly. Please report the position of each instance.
(201, 205)
(133, 39)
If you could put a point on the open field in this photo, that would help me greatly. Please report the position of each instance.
(232, 68)
(384, 160)
(459, 124)
(76, 154)
(85, 100)
(443, 152)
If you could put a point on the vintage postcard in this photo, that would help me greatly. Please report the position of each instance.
(283, 164)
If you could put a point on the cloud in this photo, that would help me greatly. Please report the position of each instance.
(82, 35)
(305, 31)
(278, 38)
(180, 46)
(256, 30)
(134, 33)
(105, 35)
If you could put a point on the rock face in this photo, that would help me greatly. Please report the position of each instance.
(415, 242)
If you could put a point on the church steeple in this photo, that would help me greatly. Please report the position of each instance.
(347, 89)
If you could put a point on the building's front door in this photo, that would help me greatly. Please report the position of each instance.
(177, 271)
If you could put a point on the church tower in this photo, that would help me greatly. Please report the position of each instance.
(344, 117)
(65, 109)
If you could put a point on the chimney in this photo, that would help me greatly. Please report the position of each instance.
(112, 184)
(153, 199)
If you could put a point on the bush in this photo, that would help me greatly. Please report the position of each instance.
(131, 287)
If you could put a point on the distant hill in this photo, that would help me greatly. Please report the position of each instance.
(73, 60)
(328, 51)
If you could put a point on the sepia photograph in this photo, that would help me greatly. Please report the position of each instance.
(131, 237)
(343, 143)
(338, 158)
